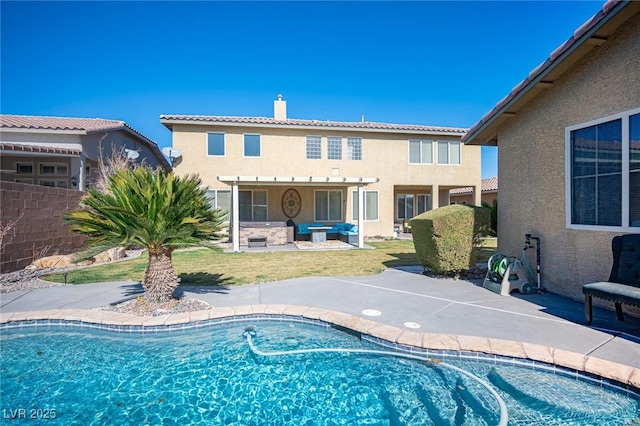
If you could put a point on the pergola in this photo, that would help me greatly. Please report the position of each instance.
(236, 181)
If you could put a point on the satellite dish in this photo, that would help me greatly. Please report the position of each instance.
(172, 153)
(131, 154)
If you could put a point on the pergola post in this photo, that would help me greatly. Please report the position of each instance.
(360, 216)
(235, 216)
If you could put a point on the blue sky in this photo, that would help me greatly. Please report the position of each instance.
(430, 63)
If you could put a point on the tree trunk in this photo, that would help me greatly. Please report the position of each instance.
(160, 278)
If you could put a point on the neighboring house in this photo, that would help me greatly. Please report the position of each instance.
(375, 175)
(465, 195)
(64, 152)
(569, 150)
(44, 162)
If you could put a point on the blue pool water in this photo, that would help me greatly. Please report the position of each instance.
(210, 376)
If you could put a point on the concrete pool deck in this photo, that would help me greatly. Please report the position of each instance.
(398, 305)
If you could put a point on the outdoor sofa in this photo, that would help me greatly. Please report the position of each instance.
(346, 232)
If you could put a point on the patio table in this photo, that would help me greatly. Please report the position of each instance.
(319, 233)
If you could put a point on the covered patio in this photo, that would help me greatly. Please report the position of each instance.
(291, 205)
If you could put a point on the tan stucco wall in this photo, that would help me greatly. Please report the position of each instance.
(384, 155)
(531, 162)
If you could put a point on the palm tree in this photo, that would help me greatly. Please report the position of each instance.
(147, 208)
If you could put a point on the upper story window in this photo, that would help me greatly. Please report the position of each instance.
(215, 144)
(24, 168)
(354, 148)
(603, 172)
(314, 147)
(54, 169)
(334, 148)
(420, 152)
(448, 152)
(252, 145)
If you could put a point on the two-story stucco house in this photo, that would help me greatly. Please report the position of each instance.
(63, 152)
(375, 175)
(568, 141)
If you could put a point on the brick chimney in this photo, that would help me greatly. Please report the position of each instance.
(280, 109)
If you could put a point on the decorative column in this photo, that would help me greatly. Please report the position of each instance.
(477, 195)
(435, 197)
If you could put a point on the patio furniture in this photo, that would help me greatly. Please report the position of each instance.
(624, 281)
(302, 231)
(346, 232)
(319, 233)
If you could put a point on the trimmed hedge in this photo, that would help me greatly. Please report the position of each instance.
(444, 237)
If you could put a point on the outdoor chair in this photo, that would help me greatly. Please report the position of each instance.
(623, 286)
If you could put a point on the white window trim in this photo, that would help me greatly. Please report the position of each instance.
(448, 163)
(329, 147)
(224, 144)
(215, 197)
(364, 208)
(244, 151)
(315, 219)
(420, 163)
(253, 219)
(397, 198)
(624, 116)
(349, 154)
(306, 147)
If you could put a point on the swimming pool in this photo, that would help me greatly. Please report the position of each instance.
(211, 376)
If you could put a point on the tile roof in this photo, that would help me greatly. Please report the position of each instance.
(88, 125)
(15, 147)
(555, 58)
(58, 123)
(487, 185)
(367, 125)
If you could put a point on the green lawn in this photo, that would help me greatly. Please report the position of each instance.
(213, 267)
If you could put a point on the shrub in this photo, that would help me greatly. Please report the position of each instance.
(494, 216)
(444, 238)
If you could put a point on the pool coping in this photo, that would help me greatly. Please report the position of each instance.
(620, 373)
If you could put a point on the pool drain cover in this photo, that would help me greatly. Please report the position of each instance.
(291, 341)
(371, 313)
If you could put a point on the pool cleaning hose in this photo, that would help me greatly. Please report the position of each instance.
(250, 333)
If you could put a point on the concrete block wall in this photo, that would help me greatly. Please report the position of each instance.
(41, 229)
